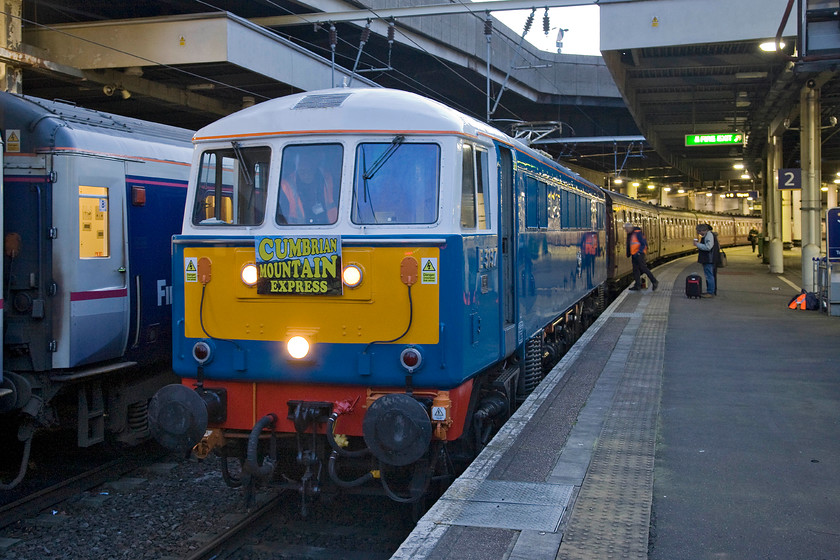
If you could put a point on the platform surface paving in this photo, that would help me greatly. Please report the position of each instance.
(710, 430)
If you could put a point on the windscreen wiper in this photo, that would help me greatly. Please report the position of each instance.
(386, 155)
(238, 151)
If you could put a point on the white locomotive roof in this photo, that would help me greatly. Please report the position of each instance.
(343, 110)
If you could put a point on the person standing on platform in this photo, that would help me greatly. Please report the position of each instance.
(636, 249)
(708, 256)
(753, 238)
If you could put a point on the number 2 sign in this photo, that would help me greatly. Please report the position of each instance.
(790, 179)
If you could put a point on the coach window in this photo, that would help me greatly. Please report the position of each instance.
(93, 222)
(232, 185)
(531, 202)
(396, 183)
(474, 188)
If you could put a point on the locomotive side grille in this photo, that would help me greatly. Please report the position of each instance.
(533, 373)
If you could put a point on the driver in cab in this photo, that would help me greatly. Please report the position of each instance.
(308, 193)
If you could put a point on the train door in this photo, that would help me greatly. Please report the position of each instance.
(27, 261)
(90, 259)
(508, 248)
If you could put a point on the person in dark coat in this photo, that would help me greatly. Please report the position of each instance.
(636, 249)
(708, 255)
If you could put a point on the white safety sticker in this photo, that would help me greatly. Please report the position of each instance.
(428, 271)
(438, 413)
(191, 269)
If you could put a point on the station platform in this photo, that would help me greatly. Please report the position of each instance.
(711, 431)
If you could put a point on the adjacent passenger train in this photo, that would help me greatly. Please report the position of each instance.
(90, 202)
(367, 282)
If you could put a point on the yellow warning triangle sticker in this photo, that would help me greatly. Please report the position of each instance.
(190, 266)
(429, 267)
(12, 137)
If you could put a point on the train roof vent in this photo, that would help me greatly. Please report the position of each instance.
(322, 101)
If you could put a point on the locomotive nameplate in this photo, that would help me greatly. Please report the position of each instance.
(299, 265)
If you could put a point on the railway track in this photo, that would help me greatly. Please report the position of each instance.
(33, 504)
(274, 530)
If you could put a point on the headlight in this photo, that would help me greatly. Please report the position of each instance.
(298, 347)
(249, 274)
(352, 275)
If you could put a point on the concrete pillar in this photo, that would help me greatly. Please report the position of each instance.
(632, 191)
(796, 224)
(10, 38)
(772, 206)
(786, 224)
(811, 152)
(831, 196)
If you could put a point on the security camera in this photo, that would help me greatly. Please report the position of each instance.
(811, 84)
(109, 89)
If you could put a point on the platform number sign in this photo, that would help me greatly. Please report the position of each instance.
(790, 179)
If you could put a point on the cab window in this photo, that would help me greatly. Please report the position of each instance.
(232, 186)
(396, 183)
(310, 181)
(474, 188)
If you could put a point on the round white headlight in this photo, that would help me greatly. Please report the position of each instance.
(249, 274)
(351, 275)
(298, 347)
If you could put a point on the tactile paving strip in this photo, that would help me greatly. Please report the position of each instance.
(611, 515)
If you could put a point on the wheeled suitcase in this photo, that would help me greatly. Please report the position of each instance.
(693, 286)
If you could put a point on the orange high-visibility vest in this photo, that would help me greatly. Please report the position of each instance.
(798, 302)
(590, 244)
(635, 244)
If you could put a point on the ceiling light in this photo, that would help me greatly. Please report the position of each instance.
(635, 183)
(708, 194)
(770, 46)
(738, 166)
(681, 191)
(667, 189)
(651, 187)
(618, 180)
(837, 181)
(750, 75)
(824, 189)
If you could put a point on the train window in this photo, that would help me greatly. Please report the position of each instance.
(232, 184)
(474, 188)
(531, 206)
(481, 187)
(396, 183)
(93, 223)
(310, 181)
(584, 216)
(542, 204)
(468, 189)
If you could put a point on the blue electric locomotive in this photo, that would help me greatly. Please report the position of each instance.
(378, 277)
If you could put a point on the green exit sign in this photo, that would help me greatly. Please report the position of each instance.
(714, 139)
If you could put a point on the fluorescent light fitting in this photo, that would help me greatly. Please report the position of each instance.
(750, 75)
(770, 46)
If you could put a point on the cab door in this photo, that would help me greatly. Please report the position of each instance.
(93, 262)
